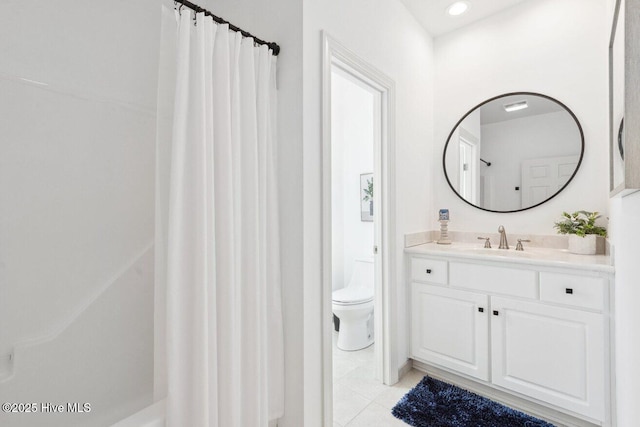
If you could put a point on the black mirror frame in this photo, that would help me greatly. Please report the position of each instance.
(444, 153)
(620, 136)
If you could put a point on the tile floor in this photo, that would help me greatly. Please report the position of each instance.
(358, 399)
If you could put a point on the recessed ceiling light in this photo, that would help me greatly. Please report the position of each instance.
(458, 8)
(520, 105)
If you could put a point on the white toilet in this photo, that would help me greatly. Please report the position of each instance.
(353, 305)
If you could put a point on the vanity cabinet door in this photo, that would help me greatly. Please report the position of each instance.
(450, 328)
(549, 353)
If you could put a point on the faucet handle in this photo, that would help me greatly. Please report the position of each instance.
(519, 245)
(487, 242)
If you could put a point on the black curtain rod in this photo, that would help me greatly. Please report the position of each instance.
(273, 46)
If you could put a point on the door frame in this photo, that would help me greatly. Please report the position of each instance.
(385, 321)
(473, 163)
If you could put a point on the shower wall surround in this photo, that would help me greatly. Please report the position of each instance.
(77, 151)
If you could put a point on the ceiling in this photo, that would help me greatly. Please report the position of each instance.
(432, 14)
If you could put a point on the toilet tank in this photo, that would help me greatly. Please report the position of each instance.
(363, 274)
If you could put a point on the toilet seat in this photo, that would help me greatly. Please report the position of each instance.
(352, 296)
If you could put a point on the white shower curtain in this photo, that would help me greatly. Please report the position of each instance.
(217, 226)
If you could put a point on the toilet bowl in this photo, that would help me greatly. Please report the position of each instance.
(353, 305)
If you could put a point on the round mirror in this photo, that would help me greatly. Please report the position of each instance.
(513, 152)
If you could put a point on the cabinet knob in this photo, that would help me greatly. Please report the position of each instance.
(569, 290)
(481, 310)
(495, 312)
(428, 271)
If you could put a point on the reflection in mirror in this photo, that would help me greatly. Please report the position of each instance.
(513, 152)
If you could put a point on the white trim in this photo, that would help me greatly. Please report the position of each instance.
(336, 54)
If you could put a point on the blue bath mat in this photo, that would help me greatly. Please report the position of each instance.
(433, 403)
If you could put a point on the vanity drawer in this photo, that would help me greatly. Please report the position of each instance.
(569, 289)
(499, 280)
(429, 270)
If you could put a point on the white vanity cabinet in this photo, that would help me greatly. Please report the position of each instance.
(538, 332)
(553, 354)
(450, 328)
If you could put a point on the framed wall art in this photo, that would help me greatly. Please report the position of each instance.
(366, 197)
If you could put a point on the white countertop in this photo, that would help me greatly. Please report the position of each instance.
(530, 256)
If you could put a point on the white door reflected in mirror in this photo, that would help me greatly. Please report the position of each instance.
(468, 170)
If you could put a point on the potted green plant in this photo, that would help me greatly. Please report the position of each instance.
(582, 230)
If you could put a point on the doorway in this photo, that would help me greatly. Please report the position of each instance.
(468, 173)
(358, 223)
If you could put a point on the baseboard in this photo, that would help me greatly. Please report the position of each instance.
(545, 413)
(405, 368)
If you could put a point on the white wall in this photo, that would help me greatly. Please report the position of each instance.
(76, 201)
(352, 138)
(472, 124)
(508, 143)
(383, 33)
(625, 234)
(554, 47)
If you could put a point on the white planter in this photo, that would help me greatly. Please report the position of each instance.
(582, 245)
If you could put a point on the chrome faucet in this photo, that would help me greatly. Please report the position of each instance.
(503, 238)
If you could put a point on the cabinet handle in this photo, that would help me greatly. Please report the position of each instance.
(569, 290)
(428, 271)
(481, 310)
(495, 312)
